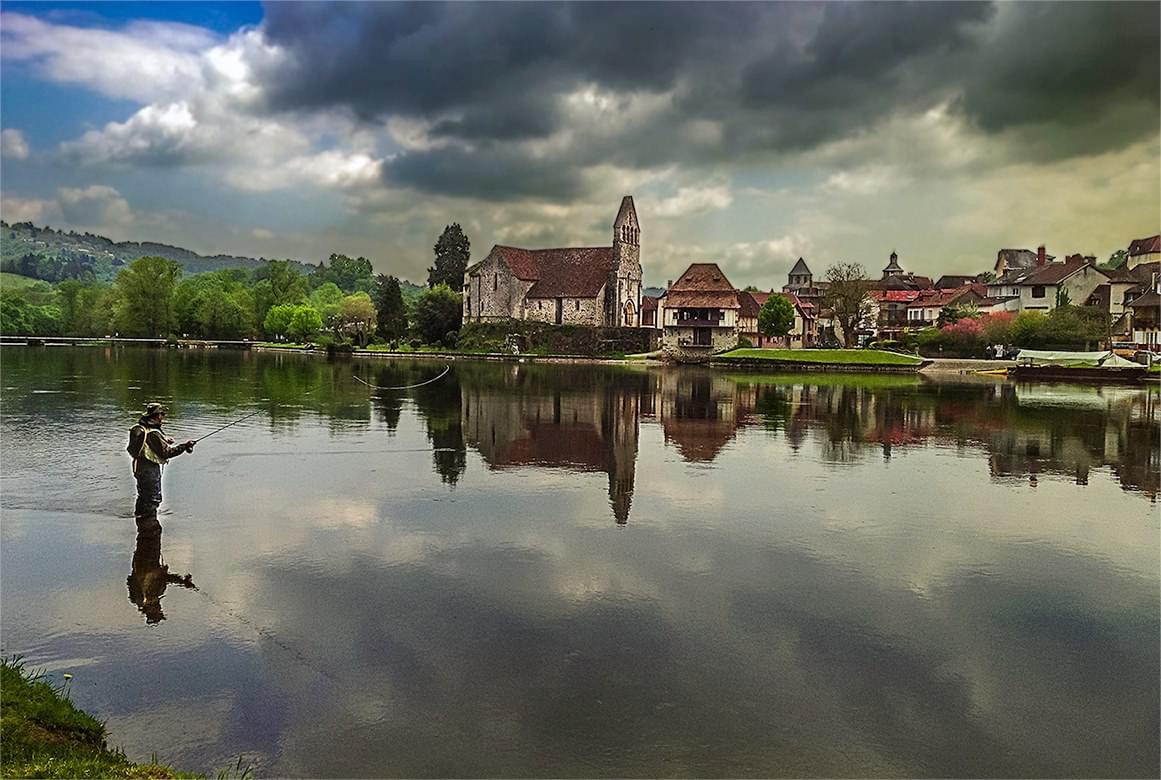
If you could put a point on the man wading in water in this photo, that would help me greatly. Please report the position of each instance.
(151, 449)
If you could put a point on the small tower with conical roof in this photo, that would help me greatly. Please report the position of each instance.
(625, 275)
(893, 268)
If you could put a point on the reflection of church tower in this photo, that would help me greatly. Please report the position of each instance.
(624, 285)
(626, 427)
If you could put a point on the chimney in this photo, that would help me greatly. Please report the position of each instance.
(1040, 255)
(668, 283)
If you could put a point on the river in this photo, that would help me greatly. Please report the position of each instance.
(547, 570)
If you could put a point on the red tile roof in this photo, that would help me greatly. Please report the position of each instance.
(703, 285)
(1145, 246)
(895, 296)
(648, 303)
(1054, 273)
(575, 272)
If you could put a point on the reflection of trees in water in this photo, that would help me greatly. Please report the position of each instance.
(1027, 431)
(440, 405)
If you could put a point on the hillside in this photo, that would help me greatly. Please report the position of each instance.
(54, 255)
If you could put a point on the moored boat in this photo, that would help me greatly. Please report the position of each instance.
(1055, 366)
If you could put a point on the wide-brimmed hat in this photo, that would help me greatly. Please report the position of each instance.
(154, 409)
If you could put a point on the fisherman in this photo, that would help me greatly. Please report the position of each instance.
(151, 449)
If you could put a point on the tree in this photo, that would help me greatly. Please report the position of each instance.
(351, 275)
(955, 312)
(776, 317)
(392, 321)
(848, 298)
(1115, 261)
(145, 296)
(304, 323)
(326, 300)
(278, 282)
(438, 313)
(452, 251)
(357, 316)
(278, 319)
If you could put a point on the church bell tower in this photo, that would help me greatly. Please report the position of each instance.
(625, 275)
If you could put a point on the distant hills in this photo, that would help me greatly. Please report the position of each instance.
(54, 255)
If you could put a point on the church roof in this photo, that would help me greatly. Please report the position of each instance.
(800, 268)
(574, 272)
(627, 211)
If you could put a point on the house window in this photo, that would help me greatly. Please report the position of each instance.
(1038, 291)
(578, 304)
(495, 282)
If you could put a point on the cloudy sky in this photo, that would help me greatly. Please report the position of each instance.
(749, 134)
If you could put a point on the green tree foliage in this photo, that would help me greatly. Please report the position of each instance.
(326, 300)
(1115, 261)
(277, 322)
(357, 316)
(144, 306)
(438, 312)
(392, 319)
(214, 305)
(305, 323)
(278, 282)
(348, 274)
(776, 317)
(85, 308)
(849, 297)
(452, 251)
(955, 312)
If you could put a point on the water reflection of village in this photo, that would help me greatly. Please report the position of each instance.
(589, 421)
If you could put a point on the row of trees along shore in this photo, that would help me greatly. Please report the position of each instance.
(341, 301)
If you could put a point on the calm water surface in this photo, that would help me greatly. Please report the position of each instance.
(578, 570)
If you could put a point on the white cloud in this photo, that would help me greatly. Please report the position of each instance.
(13, 145)
(40, 212)
(262, 234)
(692, 200)
(332, 169)
(869, 180)
(145, 61)
(93, 206)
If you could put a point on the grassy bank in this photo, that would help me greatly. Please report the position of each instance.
(44, 735)
(846, 357)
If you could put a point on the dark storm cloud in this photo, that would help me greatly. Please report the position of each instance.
(774, 78)
(1061, 64)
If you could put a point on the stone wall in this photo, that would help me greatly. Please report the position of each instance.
(675, 344)
(552, 339)
(493, 293)
(574, 311)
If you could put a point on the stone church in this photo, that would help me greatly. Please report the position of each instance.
(597, 286)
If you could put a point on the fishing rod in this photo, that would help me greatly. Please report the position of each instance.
(227, 425)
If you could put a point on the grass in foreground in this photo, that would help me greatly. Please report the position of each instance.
(44, 735)
(851, 357)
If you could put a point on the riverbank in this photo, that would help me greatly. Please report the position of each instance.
(841, 360)
(45, 735)
(496, 357)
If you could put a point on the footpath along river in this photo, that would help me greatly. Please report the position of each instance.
(571, 570)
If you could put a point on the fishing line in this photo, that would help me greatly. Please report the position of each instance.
(269, 635)
(404, 387)
(338, 452)
(227, 425)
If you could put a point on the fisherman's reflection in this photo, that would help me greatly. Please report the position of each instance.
(150, 576)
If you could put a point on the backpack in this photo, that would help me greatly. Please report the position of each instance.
(137, 436)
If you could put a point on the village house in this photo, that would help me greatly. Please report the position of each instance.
(1144, 250)
(802, 333)
(594, 286)
(1048, 284)
(925, 310)
(699, 314)
(1008, 260)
